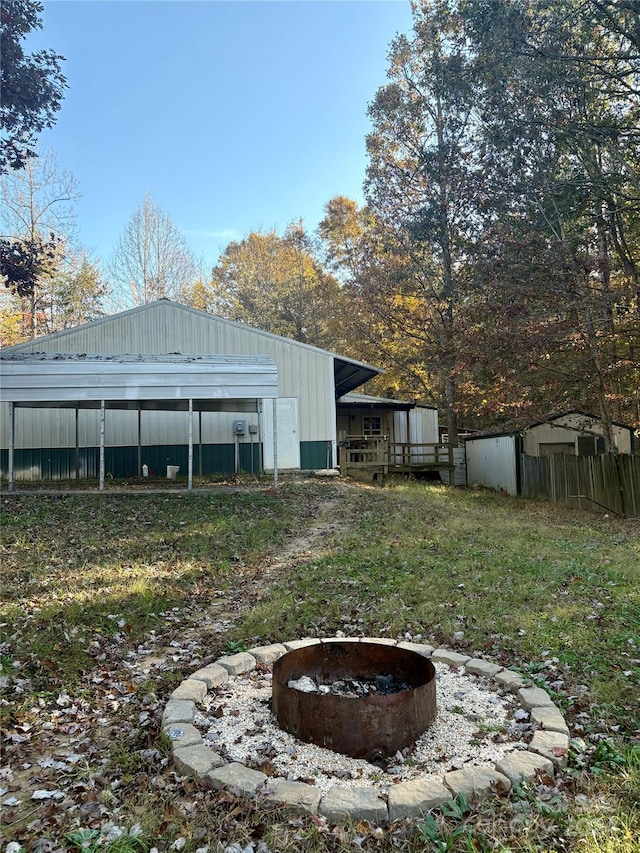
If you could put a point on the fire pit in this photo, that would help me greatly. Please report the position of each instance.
(365, 700)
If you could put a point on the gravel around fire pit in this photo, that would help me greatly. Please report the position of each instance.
(474, 726)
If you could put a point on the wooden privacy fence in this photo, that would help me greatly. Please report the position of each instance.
(610, 482)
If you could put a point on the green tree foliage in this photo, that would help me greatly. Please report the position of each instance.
(32, 85)
(24, 262)
(73, 293)
(423, 190)
(378, 317)
(275, 283)
(78, 295)
(497, 259)
(31, 89)
(560, 112)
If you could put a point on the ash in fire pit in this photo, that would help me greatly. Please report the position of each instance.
(351, 688)
(314, 690)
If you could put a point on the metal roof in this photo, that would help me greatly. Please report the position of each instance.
(132, 381)
(348, 373)
(549, 419)
(366, 400)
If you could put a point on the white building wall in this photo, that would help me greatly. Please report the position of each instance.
(492, 462)
(423, 426)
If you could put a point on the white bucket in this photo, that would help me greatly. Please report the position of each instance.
(172, 471)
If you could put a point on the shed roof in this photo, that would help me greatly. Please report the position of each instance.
(554, 417)
(519, 429)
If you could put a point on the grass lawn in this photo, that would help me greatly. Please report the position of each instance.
(111, 600)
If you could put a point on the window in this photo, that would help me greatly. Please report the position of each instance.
(372, 425)
(551, 448)
(590, 445)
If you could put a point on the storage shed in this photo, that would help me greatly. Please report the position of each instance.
(494, 459)
(309, 380)
(576, 433)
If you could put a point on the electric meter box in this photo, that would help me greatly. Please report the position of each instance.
(239, 427)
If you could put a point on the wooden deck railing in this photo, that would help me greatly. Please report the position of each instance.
(377, 454)
(405, 456)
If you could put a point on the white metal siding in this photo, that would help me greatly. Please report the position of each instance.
(423, 426)
(56, 427)
(303, 372)
(460, 468)
(491, 462)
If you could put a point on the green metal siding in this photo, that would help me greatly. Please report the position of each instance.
(121, 461)
(315, 454)
(59, 463)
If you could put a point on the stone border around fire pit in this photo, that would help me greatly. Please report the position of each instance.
(546, 752)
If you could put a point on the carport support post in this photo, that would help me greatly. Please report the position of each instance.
(259, 410)
(12, 443)
(139, 441)
(275, 443)
(102, 412)
(190, 462)
(77, 456)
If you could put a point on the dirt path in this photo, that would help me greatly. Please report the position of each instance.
(64, 753)
(323, 535)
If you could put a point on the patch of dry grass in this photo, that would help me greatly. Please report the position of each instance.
(109, 601)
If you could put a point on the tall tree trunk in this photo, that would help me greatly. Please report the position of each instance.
(599, 368)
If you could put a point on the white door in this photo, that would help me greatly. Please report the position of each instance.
(288, 434)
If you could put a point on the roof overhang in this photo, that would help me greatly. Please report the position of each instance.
(350, 374)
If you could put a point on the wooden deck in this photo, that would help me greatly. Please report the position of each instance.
(374, 457)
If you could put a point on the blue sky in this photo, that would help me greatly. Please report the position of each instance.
(234, 116)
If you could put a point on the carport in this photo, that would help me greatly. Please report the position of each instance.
(189, 383)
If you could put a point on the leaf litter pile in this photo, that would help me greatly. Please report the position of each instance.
(90, 655)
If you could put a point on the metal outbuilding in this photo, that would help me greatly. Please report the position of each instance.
(310, 380)
(495, 460)
(179, 383)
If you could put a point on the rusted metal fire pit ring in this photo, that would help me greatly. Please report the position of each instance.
(372, 727)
